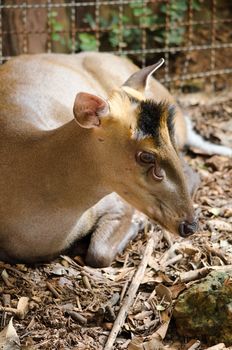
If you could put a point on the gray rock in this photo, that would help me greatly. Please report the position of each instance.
(205, 309)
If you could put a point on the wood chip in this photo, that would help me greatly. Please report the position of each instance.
(22, 307)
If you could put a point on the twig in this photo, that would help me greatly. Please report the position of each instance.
(22, 307)
(216, 252)
(11, 310)
(6, 298)
(219, 346)
(195, 345)
(169, 254)
(125, 260)
(77, 317)
(173, 260)
(193, 275)
(5, 278)
(129, 298)
(94, 275)
(53, 290)
(17, 272)
(78, 304)
(86, 283)
(167, 238)
(124, 290)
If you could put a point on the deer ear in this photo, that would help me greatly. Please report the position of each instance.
(88, 110)
(138, 81)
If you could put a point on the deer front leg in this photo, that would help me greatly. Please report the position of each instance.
(112, 234)
(111, 225)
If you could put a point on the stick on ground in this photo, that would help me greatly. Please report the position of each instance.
(130, 296)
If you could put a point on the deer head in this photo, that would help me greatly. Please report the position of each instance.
(137, 154)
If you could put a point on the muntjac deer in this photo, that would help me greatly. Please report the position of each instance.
(85, 139)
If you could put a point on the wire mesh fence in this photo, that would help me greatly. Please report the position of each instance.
(193, 36)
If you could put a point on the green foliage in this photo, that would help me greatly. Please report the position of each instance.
(87, 41)
(56, 28)
(140, 17)
(177, 11)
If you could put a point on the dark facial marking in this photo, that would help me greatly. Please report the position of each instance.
(151, 115)
(170, 123)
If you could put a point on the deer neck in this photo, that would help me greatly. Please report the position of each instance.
(71, 166)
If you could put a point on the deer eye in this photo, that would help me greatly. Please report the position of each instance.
(143, 157)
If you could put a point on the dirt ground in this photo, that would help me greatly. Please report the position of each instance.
(70, 306)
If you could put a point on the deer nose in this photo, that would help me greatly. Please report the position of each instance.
(187, 228)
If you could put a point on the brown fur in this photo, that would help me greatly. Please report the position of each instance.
(53, 170)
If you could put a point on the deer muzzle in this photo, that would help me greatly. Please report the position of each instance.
(187, 228)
